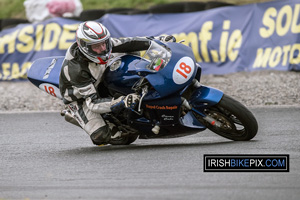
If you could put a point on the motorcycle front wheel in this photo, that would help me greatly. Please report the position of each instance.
(236, 122)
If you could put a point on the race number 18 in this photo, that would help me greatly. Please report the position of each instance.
(50, 90)
(184, 69)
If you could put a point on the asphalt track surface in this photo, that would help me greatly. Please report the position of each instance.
(43, 157)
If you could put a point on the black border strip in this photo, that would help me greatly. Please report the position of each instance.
(285, 156)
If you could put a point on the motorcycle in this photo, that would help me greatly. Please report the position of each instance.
(172, 101)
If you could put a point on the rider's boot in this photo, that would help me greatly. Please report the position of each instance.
(69, 117)
(115, 133)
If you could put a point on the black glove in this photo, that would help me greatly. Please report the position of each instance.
(167, 38)
(131, 100)
(117, 105)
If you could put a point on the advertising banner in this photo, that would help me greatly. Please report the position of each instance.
(224, 40)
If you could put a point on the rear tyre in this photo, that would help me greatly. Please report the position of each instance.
(237, 122)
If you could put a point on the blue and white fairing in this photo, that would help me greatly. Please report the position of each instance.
(163, 65)
(44, 73)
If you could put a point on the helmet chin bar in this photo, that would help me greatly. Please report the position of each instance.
(95, 59)
(101, 61)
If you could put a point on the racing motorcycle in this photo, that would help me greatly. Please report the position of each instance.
(172, 101)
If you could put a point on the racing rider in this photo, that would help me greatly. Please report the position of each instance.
(81, 75)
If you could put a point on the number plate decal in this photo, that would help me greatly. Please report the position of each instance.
(183, 70)
(50, 89)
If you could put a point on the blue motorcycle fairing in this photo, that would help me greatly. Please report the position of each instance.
(46, 70)
(205, 97)
(178, 130)
(187, 125)
(44, 73)
(165, 110)
(190, 121)
(122, 79)
(133, 68)
(163, 81)
(201, 98)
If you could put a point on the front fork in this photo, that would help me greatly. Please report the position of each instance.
(205, 117)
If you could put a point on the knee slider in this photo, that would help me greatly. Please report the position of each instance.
(101, 135)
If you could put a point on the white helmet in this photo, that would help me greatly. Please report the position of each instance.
(94, 42)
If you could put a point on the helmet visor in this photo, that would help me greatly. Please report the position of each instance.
(99, 49)
(96, 49)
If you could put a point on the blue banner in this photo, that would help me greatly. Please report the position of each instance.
(224, 40)
(22, 45)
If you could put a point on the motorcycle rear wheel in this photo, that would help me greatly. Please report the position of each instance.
(237, 122)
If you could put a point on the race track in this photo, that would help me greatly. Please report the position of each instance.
(43, 157)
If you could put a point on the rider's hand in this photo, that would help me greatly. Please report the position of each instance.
(167, 38)
(131, 100)
(117, 105)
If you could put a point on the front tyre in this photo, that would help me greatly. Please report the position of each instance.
(236, 121)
